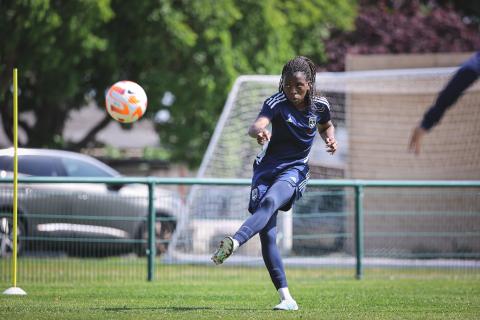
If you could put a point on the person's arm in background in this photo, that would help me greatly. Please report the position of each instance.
(462, 79)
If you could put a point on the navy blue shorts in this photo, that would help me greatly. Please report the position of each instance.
(296, 178)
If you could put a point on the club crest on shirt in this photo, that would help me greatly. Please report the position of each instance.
(312, 121)
(289, 119)
(254, 195)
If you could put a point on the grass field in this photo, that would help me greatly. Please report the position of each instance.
(192, 292)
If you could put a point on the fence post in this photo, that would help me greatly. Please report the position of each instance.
(359, 230)
(151, 231)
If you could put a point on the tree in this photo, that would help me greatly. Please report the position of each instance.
(70, 50)
(196, 49)
(53, 43)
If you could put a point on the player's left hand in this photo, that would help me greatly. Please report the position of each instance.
(331, 145)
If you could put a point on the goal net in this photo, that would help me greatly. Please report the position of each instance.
(374, 113)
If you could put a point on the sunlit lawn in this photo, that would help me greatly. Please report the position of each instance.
(193, 292)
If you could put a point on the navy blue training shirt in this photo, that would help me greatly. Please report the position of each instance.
(293, 132)
(462, 79)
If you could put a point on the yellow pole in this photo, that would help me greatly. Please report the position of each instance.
(15, 173)
(15, 290)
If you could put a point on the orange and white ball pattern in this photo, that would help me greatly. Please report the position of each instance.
(126, 101)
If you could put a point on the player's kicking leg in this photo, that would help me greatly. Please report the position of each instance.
(225, 250)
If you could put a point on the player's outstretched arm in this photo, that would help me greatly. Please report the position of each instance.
(258, 130)
(327, 132)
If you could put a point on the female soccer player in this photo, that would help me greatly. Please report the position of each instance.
(280, 171)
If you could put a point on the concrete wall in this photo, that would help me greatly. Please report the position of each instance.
(354, 62)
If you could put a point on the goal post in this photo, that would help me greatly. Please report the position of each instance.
(374, 113)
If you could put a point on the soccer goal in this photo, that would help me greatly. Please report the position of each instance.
(374, 113)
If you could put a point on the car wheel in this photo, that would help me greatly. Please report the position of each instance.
(6, 236)
(163, 233)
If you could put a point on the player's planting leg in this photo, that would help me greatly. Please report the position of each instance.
(273, 262)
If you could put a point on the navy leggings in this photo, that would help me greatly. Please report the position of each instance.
(264, 222)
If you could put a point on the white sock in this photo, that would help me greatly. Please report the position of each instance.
(235, 244)
(284, 294)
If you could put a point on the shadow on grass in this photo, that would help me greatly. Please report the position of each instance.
(245, 309)
(120, 309)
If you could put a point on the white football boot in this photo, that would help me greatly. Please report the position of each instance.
(289, 304)
(224, 251)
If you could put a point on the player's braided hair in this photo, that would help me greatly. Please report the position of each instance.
(305, 65)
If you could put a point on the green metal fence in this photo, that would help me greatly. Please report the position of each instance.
(383, 190)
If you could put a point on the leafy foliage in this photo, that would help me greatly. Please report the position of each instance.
(403, 27)
(197, 50)
(71, 51)
(53, 43)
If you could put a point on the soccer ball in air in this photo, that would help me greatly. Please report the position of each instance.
(126, 101)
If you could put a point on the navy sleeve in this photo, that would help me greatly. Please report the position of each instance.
(462, 79)
(267, 111)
